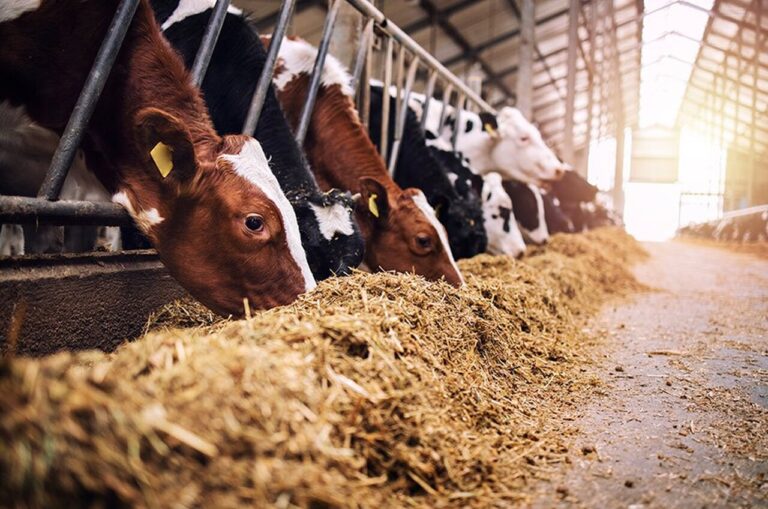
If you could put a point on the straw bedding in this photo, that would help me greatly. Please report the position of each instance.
(376, 390)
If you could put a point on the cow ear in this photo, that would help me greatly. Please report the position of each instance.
(165, 144)
(490, 124)
(373, 199)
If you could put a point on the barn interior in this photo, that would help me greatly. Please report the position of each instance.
(620, 364)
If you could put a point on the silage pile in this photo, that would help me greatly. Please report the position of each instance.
(373, 390)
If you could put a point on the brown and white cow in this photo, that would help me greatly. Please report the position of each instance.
(209, 204)
(402, 232)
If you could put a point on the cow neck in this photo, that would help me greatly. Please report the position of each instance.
(478, 151)
(148, 74)
(339, 147)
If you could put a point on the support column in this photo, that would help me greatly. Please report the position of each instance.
(524, 89)
(570, 97)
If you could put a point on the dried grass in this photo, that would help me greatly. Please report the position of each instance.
(375, 390)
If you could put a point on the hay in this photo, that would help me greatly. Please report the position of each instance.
(373, 390)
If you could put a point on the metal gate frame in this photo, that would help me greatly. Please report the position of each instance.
(46, 208)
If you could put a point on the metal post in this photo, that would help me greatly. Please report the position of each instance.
(584, 169)
(364, 92)
(317, 72)
(384, 140)
(399, 73)
(444, 109)
(524, 89)
(570, 97)
(457, 126)
(346, 34)
(364, 43)
(86, 102)
(428, 100)
(257, 101)
(402, 114)
(618, 114)
(211, 35)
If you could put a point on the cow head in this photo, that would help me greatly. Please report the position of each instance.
(216, 215)
(461, 213)
(405, 234)
(528, 206)
(334, 246)
(519, 151)
(504, 237)
(573, 188)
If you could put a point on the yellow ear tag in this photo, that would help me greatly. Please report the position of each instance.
(372, 205)
(162, 155)
(491, 131)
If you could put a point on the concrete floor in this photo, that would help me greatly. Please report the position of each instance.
(682, 419)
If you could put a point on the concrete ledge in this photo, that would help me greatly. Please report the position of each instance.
(74, 302)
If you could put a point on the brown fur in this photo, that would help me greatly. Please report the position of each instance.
(342, 156)
(45, 56)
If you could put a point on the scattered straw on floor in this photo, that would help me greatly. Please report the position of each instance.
(373, 390)
(759, 249)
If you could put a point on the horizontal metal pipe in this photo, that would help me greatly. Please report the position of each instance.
(260, 95)
(86, 102)
(22, 209)
(211, 35)
(386, 25)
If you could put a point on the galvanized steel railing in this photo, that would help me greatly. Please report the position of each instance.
(46, 208)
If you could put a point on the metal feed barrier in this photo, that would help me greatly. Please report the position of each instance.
(47, 209)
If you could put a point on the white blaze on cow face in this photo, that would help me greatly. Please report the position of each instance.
(145, 218)
(187, 8)
(504, 237)
(12, 9)
(421, 201)
(298, 57)
(252, 165)
(332, 220)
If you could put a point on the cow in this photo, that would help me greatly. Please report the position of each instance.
(26, 150)
(506, 143)
(528, 206)
(209, 204)
(573, 188)
(329, 233)
(401, 230)
(557, 221)
(425, 169)
(501, 230)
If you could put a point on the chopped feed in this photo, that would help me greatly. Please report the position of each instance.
(373, 390)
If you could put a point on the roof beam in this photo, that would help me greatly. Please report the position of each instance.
(452, 32)
(446, 13)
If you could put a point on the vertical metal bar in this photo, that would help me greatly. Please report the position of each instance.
(428, 100)
(570, 95)
(211, 35)
(399, 72)
(362, 53)
(383, 141)
(524, 89)
(402, 114)
(444, 107)
(86, 102)
(257, 101)
(364, 95)
(618, 113)
(455, 135)
(317, 71)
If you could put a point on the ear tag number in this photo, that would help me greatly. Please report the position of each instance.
(491, 131)
(162, 155)
(372, 206)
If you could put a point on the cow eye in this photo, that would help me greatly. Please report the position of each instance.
(524, 138)
(254, 222)
(424, 241)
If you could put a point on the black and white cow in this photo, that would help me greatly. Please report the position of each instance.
(418, 166)
(573, 188)
(528, 205)
(506, 143)
(329, 234)
(504, 237)
(557, 220)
